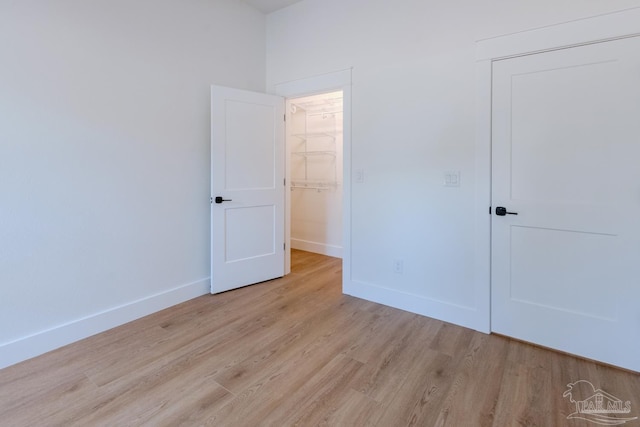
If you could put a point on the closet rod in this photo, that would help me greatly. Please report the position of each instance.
(322, 113)
(306, 187)
(317, 185)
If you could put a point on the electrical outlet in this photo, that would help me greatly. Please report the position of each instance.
(398, 266)
(359, 176)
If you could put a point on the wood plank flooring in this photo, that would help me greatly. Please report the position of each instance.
(296, 352)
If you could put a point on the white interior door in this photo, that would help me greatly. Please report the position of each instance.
(247, 186)
(566, 159)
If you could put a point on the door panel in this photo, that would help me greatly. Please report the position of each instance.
(572, 131)
(247, 170)
(257, 222)
(250, 149)
(538, 267)
(565, 150)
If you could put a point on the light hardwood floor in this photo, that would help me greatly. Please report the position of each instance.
(295, 351)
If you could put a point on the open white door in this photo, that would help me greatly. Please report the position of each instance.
(566, 146)
(247, 188)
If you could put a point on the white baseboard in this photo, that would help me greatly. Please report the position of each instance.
(318, 248)
(447, 312)
(41, 342)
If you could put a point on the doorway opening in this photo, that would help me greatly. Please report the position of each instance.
(314, 151)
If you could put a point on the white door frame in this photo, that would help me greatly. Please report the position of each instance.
(602, 28)
(340, 80)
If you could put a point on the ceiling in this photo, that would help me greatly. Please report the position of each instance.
(268, 6)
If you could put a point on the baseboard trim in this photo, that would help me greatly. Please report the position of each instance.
(441, 310)
(318, 248)
(44, 341)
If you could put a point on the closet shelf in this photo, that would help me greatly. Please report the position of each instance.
(312, 135)
(325, 114)
(314, 185)
(320, 106)
(314, 153)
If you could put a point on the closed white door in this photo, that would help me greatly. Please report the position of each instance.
(566, 159)
(247, 186)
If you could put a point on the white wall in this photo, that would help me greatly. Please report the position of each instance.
(104, 157)
(413, 119)
(316, 214)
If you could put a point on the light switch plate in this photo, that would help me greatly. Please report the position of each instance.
(452, 179)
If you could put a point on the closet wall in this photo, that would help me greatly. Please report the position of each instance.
(314, 138)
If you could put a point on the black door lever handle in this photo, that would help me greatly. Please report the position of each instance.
(502, 211)
(219, 199)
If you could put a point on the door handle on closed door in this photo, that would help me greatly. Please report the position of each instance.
(219, 199)
(501, 211)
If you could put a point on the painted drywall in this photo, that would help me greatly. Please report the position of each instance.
(104, 158)
(414, 118)
(314, 140)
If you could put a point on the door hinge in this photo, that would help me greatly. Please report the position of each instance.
(211, 199)
(284, 182)
(285, 117)
(284, 246)
(489, 210)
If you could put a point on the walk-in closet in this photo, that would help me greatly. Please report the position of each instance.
(314, 141)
